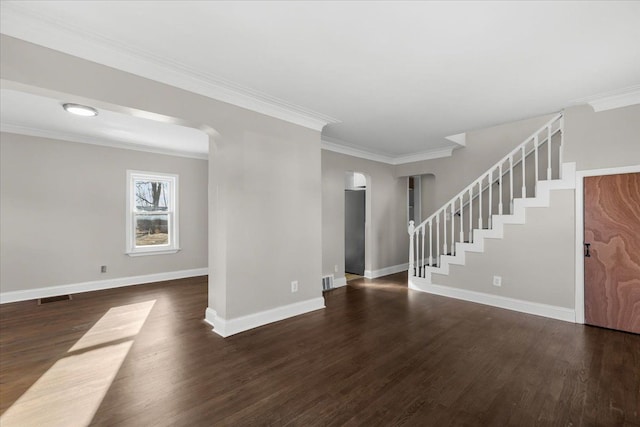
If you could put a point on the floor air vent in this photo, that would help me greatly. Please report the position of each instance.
(327, 283)
(54, 299)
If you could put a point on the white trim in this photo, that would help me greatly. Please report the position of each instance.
(339, 282)
(96, 285)
(210, 316)
(538, 309)
(580, 175)
(154, 252)
(374, 274)
(72, 137)
(460, 138)
(228, 327)
(338, 146)
(436, 153)
(613, 99)
(27, 24)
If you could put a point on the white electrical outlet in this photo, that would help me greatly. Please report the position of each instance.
(103, 269)
(294, 286)
(497, 281)
(335, 268)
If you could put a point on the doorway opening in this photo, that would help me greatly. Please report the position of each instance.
(355, 202)
(414, 199)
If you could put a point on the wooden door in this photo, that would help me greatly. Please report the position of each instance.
(612, 264)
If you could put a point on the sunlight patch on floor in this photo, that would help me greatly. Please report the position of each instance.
(71, 391)
(118, 323)
(394, 287)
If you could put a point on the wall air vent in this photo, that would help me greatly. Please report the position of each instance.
(327, 283)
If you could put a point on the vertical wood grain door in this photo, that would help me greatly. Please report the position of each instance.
(612, 251)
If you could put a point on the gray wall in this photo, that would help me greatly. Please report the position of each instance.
(270, 221)
(63, 212)
(535, 260)
(427, 194)
(602, 140)
(483, 149)
(264, 177)
(387, 240)
(270, 198)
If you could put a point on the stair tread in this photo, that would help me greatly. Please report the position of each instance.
(511, 211)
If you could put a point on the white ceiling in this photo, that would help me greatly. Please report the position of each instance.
(391, 78)
(37, 115)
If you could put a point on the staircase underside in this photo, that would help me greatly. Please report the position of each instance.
(433, 280)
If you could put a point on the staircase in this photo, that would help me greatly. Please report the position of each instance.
(523, 178)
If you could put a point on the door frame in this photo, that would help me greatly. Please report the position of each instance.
(580, 175)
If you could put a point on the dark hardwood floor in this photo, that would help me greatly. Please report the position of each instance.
(379, 354)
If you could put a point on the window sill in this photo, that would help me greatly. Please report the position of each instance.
(154, 252)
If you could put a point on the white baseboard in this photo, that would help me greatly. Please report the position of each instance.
(551, 311)
(339, 282)
(374, 274)
(96, 285)
(228, 327)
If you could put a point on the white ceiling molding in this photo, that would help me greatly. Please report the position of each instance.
(427, 155)
(616, 99)
(460, 139)
(339, 146)
(72, 137)
(19, 22)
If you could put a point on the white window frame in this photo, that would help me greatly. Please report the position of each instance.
(172, 210)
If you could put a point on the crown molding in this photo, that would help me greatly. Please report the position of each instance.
(72, 137)
(460, 138)
(426, 155)
(338, 146)
(614, 99)
(24, 23)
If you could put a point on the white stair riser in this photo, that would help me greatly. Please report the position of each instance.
(541, 200)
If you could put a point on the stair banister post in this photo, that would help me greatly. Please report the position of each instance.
(411, 251)
(461, 218)
(549, 152)
(453, 239)
(471, 214)
(430, 242)
(511, 184)
(444, 231)
(438, 239)
(561, 124)
(500, 188)
(490, 199)
(524, 173)
(480, 203)
(422, 258)
(535, 149)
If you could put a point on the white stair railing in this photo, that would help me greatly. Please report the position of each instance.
(436, 236)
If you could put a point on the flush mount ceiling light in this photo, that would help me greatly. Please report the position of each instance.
(80, 110)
